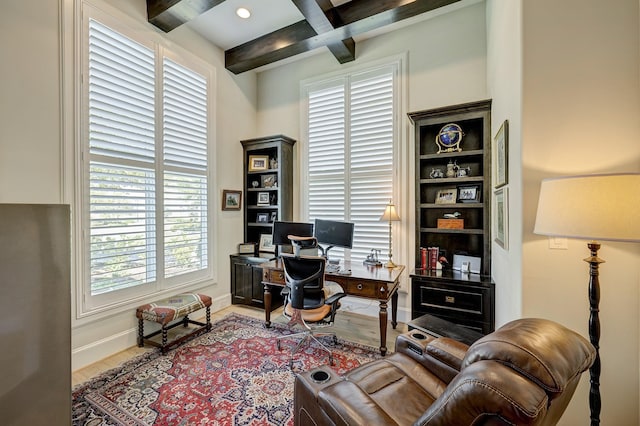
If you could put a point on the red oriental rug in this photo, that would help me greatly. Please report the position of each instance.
(232, 375)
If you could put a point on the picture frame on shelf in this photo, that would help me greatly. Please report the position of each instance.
(258, 163)
(263, 199)
(469, 194)
(231, 199)
(268, 181)
(246, 248)
(262, 217)
(501, 218)
(446, 196)
(501, 155)
(266, 243)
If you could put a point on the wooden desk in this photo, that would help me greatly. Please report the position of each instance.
(368, 282)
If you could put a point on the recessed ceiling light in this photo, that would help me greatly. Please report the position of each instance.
(243, 12)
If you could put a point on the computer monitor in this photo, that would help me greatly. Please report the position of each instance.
(333, 233)
(282, 229)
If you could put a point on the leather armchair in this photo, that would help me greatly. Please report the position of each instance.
(524, 373)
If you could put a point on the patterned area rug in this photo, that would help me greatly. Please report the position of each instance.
(232, 375)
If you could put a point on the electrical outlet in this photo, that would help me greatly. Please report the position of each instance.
(558, 243)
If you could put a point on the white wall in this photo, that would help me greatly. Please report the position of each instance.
(580, 114)
(36, 168)
(30, 142)
(504, 62)
(446, 65)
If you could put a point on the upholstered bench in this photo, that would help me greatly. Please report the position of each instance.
(165, 311)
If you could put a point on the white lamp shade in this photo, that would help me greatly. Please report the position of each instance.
(390, 213)
(594, 207)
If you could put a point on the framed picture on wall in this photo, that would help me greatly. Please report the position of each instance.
(501, 155)
(231, 200)
(501, 218)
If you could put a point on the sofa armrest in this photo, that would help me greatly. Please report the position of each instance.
(442, 356)
(487, 392)
(346, 404)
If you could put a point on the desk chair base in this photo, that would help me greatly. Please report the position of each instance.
(307, 335)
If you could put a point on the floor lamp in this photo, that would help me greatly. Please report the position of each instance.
(591, 207)
(390, 215)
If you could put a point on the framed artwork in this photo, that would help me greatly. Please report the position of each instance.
(263, 199)
(262, 218)
(501, 218)
(469, 194)
(501, 155)
(246, 248)
(266, 243)
(268, 181)
(231, 199)
(258, 163)
(446, 196)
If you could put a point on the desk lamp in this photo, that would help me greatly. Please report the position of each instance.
(391, 215)
(592, 207)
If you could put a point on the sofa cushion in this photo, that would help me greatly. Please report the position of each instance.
(541, 350)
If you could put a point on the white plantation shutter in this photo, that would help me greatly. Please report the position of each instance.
(351, 132)
(147, 183)
(122, 161)
(185, 161)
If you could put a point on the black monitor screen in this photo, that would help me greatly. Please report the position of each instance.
(282, 229)
(333, 233)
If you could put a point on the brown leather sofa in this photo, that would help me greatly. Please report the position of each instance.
(524, 373)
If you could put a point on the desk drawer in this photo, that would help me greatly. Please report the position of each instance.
(368, 289)
(275, 276)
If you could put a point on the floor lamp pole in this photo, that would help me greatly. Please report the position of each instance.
(594, 330)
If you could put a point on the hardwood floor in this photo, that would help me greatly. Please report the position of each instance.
(348, 325)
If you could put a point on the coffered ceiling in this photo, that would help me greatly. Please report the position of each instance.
(283, 29)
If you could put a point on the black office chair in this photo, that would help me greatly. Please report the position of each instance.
(307, 297)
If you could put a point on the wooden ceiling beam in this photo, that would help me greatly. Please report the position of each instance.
(320, 14)
(352, 18)
(170, 14)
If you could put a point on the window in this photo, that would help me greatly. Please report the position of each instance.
(145, 167)
(351, 132)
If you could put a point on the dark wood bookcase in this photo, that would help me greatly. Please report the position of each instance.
(466, 299)
(274, 184)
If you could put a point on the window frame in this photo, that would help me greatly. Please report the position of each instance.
(400, 169)
(120, 300)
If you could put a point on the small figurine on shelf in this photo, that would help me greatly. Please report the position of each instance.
(452, 169)
(273, 163)
(464, 171)
(436, 174)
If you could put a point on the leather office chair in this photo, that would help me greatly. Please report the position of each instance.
(524, 373)
(307, 297)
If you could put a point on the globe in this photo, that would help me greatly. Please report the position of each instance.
(450, 135)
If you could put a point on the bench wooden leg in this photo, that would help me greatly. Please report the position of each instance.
(164, 337)
(208, 318)
(140, 332)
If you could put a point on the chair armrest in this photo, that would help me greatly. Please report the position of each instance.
(334, 298)
(442, 356)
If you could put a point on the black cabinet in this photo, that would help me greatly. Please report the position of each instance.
(246, 282)
(463, 299)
